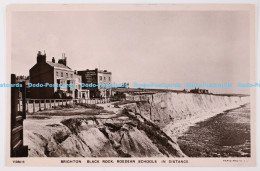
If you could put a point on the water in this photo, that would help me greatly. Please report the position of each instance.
(224, 135)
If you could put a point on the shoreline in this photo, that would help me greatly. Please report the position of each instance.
(177, 129)
(224, 135)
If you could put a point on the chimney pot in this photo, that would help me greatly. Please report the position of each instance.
(41, 57)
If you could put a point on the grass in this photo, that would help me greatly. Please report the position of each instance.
(71, 110)
(123, 102)
(90, 106)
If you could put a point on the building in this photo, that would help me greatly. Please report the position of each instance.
(199, 91)
(96, 77)
(79, 92)
(53, 73)
(25, 79)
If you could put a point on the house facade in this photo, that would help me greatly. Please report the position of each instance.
(53, 72)
(79, 92)
(96, 76)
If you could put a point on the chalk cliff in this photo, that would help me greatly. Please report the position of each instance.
(174, 112)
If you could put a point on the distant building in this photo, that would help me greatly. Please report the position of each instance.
(200, 91)
(95, 77)
(53, 73)
(79, 92)
(20, 79)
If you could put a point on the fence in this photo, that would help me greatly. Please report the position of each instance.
(35, 105)
(18, 149)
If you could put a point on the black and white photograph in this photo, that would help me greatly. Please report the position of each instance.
(131, 84)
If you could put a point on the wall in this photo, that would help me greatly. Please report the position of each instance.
(41, 73)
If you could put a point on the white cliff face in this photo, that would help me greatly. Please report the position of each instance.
(175, 112)
(120, 134)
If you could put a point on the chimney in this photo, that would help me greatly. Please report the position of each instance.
(41, 57)
(63, 60)
(53, 60)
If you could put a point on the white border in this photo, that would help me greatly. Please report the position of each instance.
(3, 4)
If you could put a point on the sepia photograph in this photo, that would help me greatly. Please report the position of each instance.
(131, 84)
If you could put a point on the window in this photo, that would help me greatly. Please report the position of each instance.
(104, 78)
(109, 78)
(57, 73)
(100, 78)
(71, 75)
(58, 82)
(67, 75)
(61, 74)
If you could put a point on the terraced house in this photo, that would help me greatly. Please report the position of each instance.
(54, 73)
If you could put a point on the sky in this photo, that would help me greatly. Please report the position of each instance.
(139, 46)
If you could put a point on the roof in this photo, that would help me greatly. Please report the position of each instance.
(104, 72)
(94, 70)
(57, 65)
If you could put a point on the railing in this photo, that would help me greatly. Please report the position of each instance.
(138, 97)
(35, 105)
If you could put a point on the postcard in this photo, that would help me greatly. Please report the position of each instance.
(131, 85)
